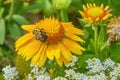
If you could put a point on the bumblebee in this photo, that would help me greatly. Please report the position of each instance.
(40, 34)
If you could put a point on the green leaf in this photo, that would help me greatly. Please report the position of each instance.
(91, 45)
(14, 30)
(82, 22)
(20, 19)
(2, 31)
(48, 8)
(1, 12)
(34, 8)
(102, 35)
(115, 51)
(82, 60)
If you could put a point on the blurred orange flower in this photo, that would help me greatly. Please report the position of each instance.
(93, 13)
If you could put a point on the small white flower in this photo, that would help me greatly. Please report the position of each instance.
(30, 77)
(10, 73)
(43, 77)
(35, 70)
(70, 73)
(81, 76)
(116, 72)
(108, 63)
(114, 78)
(59, 78)
(101, 76)
(94, 65)
(72, 63)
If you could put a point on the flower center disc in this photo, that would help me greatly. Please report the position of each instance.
(57, 36)
(95, 12)
(53, 29)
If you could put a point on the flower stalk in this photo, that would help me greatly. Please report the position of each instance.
(95, 28)
(64, 15)
(9, 16)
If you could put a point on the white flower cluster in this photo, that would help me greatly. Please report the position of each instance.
(38, 74)
(71, 74)
(97, 70)
(115, 73)
(72, 63)
(94, 65)
(108, 63)
(60, 78)
(10, 73)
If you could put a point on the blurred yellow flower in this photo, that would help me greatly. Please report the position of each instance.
(93, 13)
(50, 38)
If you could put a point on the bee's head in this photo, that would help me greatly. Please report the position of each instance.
(36, 31)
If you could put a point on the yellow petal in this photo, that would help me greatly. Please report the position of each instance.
(90, 19)
(37, 56)
(57, 52)
(23, 48)
(97, 19)
(101, 6)
(84, 7)
(82, 13)
(31, 49)
(43, 57)
(106, 8)
(50, 52)
(73, 46)
(64, 60)
(71, 29)
(34, 49)
(59, 61)
(88, 6)
(28, 27)
(74, 37)
(22, 40)
(106, 16)
(65, 52)
(94, 5)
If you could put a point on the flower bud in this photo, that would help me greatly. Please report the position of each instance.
(61, 4)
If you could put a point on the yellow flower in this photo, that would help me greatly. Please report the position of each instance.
(93, 13)
(50, 38)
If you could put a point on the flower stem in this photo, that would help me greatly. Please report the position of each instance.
(64, 15)
(96, 41)
(9, 16)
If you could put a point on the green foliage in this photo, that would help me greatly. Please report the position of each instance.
(20, 20)
(1, 76)
(114, 52)
(22, 66)
(87, 55)
(14, 30)
(2, 31)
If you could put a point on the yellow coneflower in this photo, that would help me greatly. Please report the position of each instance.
(93, 13)
(50, 38)
(113, 29)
